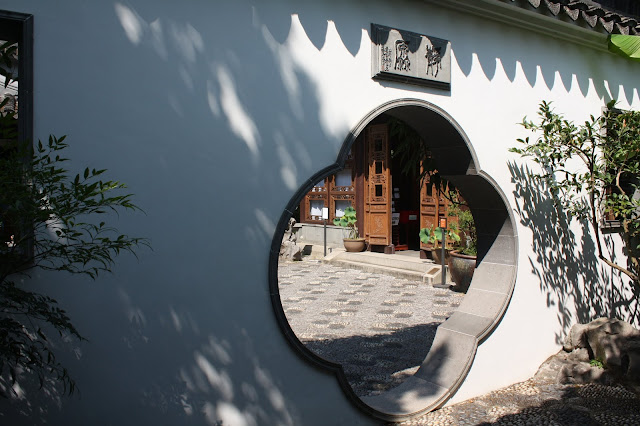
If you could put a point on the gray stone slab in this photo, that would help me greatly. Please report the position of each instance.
(502, 249)
(449, 359)
(493, 277)
(373, 268)
(313, 234)
(414, 395)
(483, 303)
(468, 324)
(492, 221)
(448, 342)
(393, 261)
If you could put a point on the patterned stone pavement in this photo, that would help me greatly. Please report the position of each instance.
(542, 402)
(378, 327)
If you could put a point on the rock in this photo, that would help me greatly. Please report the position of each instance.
(571, 368)
(613, 342)
(289, 248)
(632, 350)
(607, 339)
(581, 354)
(576, 338)
(604, 338)
(583, 373)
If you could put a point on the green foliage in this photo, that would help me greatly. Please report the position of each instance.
(431, 235)
(469, 237)
(427, 235)
(348, 220)
(596, 363)
(466, 224)
(592, 171)
(627, 46)
(50, 220)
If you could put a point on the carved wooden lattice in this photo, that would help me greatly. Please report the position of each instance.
(328, 192)
(433, 206)
(378, 184)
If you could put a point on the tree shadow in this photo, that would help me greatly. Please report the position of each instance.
(570, 273)
(591, 404)
(374, 332)
(376, 363)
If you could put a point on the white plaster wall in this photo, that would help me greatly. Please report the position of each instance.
(214, 113)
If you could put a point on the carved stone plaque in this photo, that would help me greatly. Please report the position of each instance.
(410, 57)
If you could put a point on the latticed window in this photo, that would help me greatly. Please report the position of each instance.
(16, 82)
(336, 193)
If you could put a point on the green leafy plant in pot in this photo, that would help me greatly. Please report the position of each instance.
(468, 242)
(433, 237)
(462, 260)
(352, 242)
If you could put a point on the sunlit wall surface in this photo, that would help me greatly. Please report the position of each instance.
(215, 114)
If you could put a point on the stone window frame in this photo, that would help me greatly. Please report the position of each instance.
(451, 355)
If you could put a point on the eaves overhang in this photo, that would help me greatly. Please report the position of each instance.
(595, 15)
(585, 23)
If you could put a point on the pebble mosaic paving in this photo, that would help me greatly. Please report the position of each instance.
(378, 327)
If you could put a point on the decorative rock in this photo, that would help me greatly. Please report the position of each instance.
(582, 373)
(560, 392)
(288, 248)
(632, 350)
(607, 337)
(613, 342)
(571, 368)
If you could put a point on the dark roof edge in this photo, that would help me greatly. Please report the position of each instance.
(585, 12)
(530, 18)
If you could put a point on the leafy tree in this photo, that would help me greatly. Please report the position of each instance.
(593, 172)
(49, 220)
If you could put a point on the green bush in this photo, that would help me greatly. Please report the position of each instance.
(51, 221)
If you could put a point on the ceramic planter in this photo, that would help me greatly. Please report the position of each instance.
(354, 244)
(437, 255)
(461, 268)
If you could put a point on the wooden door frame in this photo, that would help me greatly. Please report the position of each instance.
(378, 185)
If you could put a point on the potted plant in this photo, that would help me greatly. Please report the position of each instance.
(352, 242)
(433, 237)
(462, 261)
(426, 238)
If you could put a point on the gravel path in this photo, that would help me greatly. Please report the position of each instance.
(378, 327)
(536, 402)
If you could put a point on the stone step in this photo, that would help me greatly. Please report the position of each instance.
(398, 261)
(430, 273)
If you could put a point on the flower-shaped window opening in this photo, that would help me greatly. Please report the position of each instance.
(399, 345)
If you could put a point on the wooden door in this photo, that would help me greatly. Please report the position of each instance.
(378, 184)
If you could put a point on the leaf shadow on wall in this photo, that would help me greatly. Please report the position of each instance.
(570, 273)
